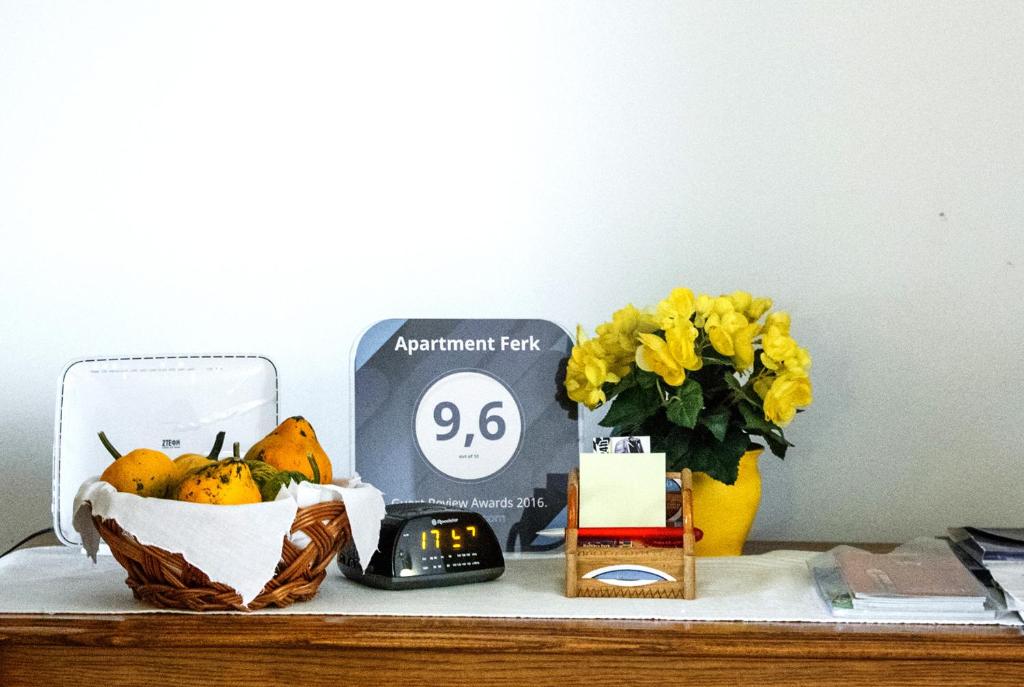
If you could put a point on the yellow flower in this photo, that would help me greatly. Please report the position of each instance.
(670, 357)
(618, 338)
(757, 307)
(588, 370)
(787, 393)
(722, 327)
(722, 305)
(665, 341)
(743, 346)
(777, 342)
(781, 352)
(741, 300)
(798, 364)
(762, 384)
(730, 332)
(675, 310)
(704, 304)
(779, 320)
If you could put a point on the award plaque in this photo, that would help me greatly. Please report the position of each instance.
(469, 415)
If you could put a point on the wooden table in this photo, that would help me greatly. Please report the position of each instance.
(159, 649)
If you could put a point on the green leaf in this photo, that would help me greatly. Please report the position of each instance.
(717, 423)
(776, 446)
(675, 445)
(735, 444)
(627, 382)
(631, 407)
(269, 489)
(754, 419)
(777, 443)
(715, 358)
(719, 460)
(646, 380)
(745, 391)
(755, 423)
(685, 405)
(724, 472)
(758, 366)
(725, 461)
(700, 458)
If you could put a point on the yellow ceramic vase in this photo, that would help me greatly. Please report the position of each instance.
(726, 513)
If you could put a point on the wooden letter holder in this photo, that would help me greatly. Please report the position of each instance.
(676, 565)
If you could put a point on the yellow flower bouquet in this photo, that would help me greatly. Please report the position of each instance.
(701, 376)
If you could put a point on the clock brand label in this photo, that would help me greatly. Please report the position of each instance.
(444, 522)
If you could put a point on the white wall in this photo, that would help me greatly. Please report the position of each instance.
(271, 177)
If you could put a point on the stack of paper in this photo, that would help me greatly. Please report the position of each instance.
(922, 580)
(999, 553)
(622, 491)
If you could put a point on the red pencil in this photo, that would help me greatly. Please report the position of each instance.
(671, 536)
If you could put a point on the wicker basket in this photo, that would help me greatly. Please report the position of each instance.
(166, 580)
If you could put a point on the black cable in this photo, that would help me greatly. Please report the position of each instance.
(26, 540)
(513, 534)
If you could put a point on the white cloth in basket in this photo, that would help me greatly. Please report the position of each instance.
(239, 546)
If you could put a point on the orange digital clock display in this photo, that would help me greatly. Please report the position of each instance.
(447, 538)
(427, 545)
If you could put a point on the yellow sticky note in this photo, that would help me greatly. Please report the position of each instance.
(622, 490)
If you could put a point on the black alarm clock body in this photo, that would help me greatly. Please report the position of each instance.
(427, 545)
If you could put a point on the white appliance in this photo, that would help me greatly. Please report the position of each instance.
(173, 403)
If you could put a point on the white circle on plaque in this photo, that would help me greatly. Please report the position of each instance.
(468, 425)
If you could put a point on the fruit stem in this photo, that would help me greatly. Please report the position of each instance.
(217, 444)
(236, 450)
(109, 446)
(314, 466)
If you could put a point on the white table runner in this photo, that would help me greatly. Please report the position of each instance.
(771, 587)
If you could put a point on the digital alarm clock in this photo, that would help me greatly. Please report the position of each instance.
(427, 545)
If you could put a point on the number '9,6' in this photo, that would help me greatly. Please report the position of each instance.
(446, 415)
